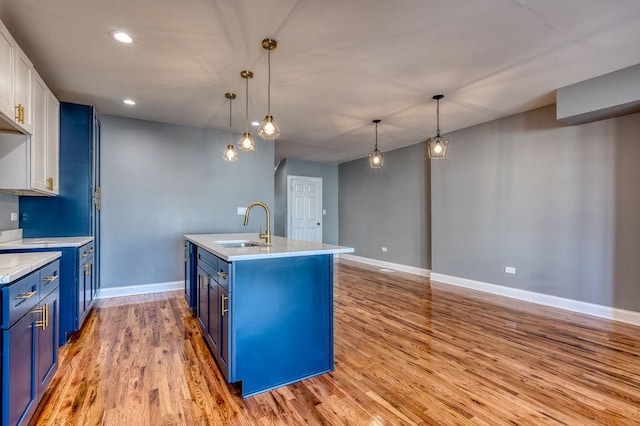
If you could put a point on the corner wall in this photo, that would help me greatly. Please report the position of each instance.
(559, 203)
(162, 181)
(388, 207)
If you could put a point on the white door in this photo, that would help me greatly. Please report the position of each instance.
(304, 208)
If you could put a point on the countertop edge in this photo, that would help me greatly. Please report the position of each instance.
(22, 245)
(220, 251)
(41, 259)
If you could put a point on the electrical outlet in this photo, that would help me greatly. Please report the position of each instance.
(384, 249)
(324, 212)
(510, 270)
(14, 217)
(242, 211)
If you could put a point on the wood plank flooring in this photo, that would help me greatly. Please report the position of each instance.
(407, 351)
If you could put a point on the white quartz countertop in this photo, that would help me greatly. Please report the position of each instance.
(15, 266)
(54, 242)
(280, 247)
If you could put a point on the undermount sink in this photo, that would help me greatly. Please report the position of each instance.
(240, 243)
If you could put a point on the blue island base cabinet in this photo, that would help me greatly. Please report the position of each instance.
(281, 322)
(268, 322)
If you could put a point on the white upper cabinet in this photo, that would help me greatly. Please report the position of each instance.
(6, 72)
(29, 125)
(23, 68)
(15, 85)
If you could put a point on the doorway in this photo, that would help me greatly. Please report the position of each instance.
(304, 208)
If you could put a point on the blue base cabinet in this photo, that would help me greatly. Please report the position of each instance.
(190, 274)
(267, 322)
(78, 289)
(30, 319)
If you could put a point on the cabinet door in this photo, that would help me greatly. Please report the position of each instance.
(38, 136)
(52, 143)
(223, 349)
(20, 346)
(88, 284)
(214, 316)
(22, 88)
(82, 304)
(47, 341)
(6, 72)
(187, 272)
(203, 301)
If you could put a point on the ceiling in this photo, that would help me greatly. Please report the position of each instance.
(339, 64)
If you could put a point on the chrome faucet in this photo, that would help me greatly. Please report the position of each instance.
(267, 235)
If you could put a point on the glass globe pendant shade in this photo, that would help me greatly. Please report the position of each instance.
(230, 154)
(438, 147)
(246, 143)
(376, 159)
(268, 128)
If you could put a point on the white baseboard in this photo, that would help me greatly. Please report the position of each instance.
(629, 317)
(398, 267)
(106, 293)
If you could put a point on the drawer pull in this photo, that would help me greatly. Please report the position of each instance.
(83, 255)
(222, 308)
(50, 278)
(223, 275)
(44, 322)
(202, 285)
(25, 296)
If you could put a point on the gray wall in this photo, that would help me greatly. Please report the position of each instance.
(329, 175)
(8, 205)
(559, 203)
(161, 181)
(387, 207)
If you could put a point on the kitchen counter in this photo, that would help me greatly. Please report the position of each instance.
(15, 266)
(280, 247)
(36, 243)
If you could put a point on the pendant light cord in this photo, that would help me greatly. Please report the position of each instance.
(438, 117)
(269, 83)
(229, 121)
(246, 106)
(376, 137)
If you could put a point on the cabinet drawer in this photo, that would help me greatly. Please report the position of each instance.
(208, 261)
(49, 278)
(19, 298)
(223, 274)
(85, 252)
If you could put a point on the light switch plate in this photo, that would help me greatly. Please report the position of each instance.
(324, 211)
(242, 211)
(509, 269)
(14, 217)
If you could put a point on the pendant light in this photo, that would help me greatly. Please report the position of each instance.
(246, 142)
(437, 145)
(230, 154)
(268, 128)
(376, 158)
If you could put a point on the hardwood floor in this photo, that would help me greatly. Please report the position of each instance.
(407, 352)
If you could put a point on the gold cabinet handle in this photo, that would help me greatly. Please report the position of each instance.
(25, 296)
(202, 286)
(222, 308)
(44, 310)
(50, 183)
(22, 114)
(223, 275)
(17, 113)
(89, 268)
(50, 278)
(83, 255)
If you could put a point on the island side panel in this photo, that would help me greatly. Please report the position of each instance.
(282, 321)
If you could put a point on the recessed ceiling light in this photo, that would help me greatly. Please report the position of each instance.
(255, 123)
(129, 101)
(122, 37)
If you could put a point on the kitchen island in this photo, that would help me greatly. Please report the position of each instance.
(266, 311)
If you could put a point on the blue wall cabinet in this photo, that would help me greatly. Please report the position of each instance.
(267, 322)
(30, 309)
(75, 212)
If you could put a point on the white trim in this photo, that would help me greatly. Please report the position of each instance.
(290, 178)
(131, 290)
(629, 317)
(398, 267)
